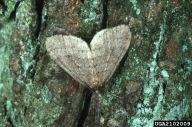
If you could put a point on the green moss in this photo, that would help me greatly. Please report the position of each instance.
(163, 97)
(165, 74)
(91, 18)
(178, 111)
(6, 81)
(6, 10)
(134, 2)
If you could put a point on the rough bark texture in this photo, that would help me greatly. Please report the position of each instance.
(152, 82)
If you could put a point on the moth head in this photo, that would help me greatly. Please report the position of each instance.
(95, 84)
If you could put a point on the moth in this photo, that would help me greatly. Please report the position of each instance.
(92, 65)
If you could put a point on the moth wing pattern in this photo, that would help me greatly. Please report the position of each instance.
(73, 55)
(108, 48)
(95, 65)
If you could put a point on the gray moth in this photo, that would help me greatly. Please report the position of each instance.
(92, 65)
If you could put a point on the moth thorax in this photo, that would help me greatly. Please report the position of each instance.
(95, 84)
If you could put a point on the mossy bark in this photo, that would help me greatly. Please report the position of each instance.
(152, 82)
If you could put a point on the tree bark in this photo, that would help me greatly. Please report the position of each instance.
(152, 82)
